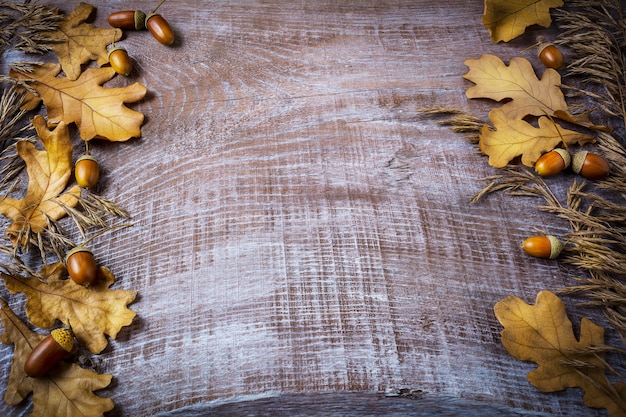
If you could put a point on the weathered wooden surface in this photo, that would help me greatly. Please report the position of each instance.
(299, 228)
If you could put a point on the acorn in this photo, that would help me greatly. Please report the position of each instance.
(160, 29)
(87, 171)
(128, 19)
(120, 61)
(49, 352)
(553, 162)
(546, 247)
(551, 56)
(81, 266)
(590, 165)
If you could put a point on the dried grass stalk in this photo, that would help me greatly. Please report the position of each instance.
(457, 120)
(595, 33)
(25, 26)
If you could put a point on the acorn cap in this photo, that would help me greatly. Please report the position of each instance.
(149, 16)
(87, 157)
(113, 49)
(567, 158)
(64, 338)
(542, 46)
(76, 250)
(140, 20)
(578, 161)
(555, 246)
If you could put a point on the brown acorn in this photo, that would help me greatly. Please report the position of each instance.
(546, 247)
(160, 29)
(128, 19)
(120, 61)
(81, 266)
(590, 165)
(87, 171)
(551, 56)
(553, 162)
(49, 352)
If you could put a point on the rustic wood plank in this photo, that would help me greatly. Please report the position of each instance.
(298, 227)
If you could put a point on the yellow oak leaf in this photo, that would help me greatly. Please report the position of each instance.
(66, 391)
(510, 138)
(507, 19)
(76, 42)
(92, 312)
(518, 82)
(48, 173)
(542, 333)
(99, 112)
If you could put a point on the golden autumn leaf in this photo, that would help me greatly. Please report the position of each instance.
(506, 19)
(529, 95)
(92, 312)
(99, 112)
(542, 333)
(510, 138)
(48, 173)
(66, 391)
(76, 42)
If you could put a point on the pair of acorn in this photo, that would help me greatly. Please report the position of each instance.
(137, 20)
(589, 165)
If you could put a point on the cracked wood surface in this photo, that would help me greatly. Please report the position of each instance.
(300, 229)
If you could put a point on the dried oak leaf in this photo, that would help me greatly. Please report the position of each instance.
(66, 391)
(99, 112)
(506, 19)
(517, 81)
(48, 173)
(510, 138)
(92, 312)
(542, 333)
(76, 42)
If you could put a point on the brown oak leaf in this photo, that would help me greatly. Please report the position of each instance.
(510, 138)
(48, 173)
(99, 112)
(517, 81)
(506, 19)
(92, 312)
(66, 391)
(542, 333)
(76, 42)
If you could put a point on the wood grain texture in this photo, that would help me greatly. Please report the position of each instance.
(299, 228)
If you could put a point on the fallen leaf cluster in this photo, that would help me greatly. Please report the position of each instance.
(73, 95)
(529, 122)
(511, 135)
(78, 97)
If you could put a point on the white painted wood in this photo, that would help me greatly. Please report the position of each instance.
(298, 227)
